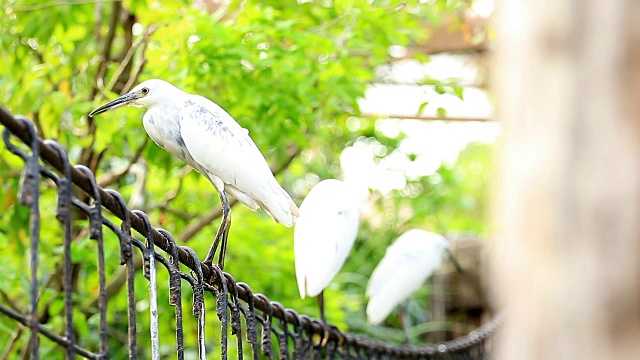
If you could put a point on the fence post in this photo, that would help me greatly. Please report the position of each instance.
(567, 79)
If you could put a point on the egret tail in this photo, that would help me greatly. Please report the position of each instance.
(279, 204)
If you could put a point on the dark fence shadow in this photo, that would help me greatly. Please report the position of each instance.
(252, 319)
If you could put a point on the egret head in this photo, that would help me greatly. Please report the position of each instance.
(148, 93)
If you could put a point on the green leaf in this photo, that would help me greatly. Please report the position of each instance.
(422, 57)
(56, 306)
(421, 107)
(459, 92)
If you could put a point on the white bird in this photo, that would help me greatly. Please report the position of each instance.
(407, 263)
(203, 135)
(324, 235)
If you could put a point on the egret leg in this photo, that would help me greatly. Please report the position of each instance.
(402, 314)
(320, 299)
(466, 275)
(225, 237)
(325, 337)
(221, 234)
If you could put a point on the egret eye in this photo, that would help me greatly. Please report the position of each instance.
(145, 91)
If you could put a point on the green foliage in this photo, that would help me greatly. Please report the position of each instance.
(290, 73)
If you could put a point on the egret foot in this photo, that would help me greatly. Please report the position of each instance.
(325, 337)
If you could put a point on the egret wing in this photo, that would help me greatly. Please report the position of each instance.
(407, 263)
(322, 243)
(323, 236)
(222, 148)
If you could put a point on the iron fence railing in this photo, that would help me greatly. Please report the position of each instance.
(238, 308)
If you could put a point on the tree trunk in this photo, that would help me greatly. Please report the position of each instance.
(567, 255)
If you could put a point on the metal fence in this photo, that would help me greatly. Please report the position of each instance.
(252, 319)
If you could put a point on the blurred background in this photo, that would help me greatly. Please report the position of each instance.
(388, 95)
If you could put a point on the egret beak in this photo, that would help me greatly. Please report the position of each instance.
(121, 101)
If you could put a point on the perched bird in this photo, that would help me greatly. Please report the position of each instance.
(323, 236)
(407, 263)
(199, 132)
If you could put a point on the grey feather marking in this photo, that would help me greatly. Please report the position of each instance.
(211, 121)
(177, 138)
(214, 124)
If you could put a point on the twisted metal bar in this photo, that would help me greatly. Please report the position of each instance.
(95, 231)
(175, 291)
(29, 196)
(126, 258)
(153, 289)
(63, 214)
(332, 341)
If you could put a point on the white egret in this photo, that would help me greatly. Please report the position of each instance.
(407, 263)
(324, 235)
(203, 135)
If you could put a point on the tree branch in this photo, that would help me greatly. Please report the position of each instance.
(116, 282)
(182, 215)
(425, 117)
(87, 154)
(171, 195)
(113, 176)
(133, 78)
(228, 15)
(60, 3)
(122, 76)
(36, 120)
(8, 300)
(12, 342)
(105, 55)
(97, 11)
(194, 227)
